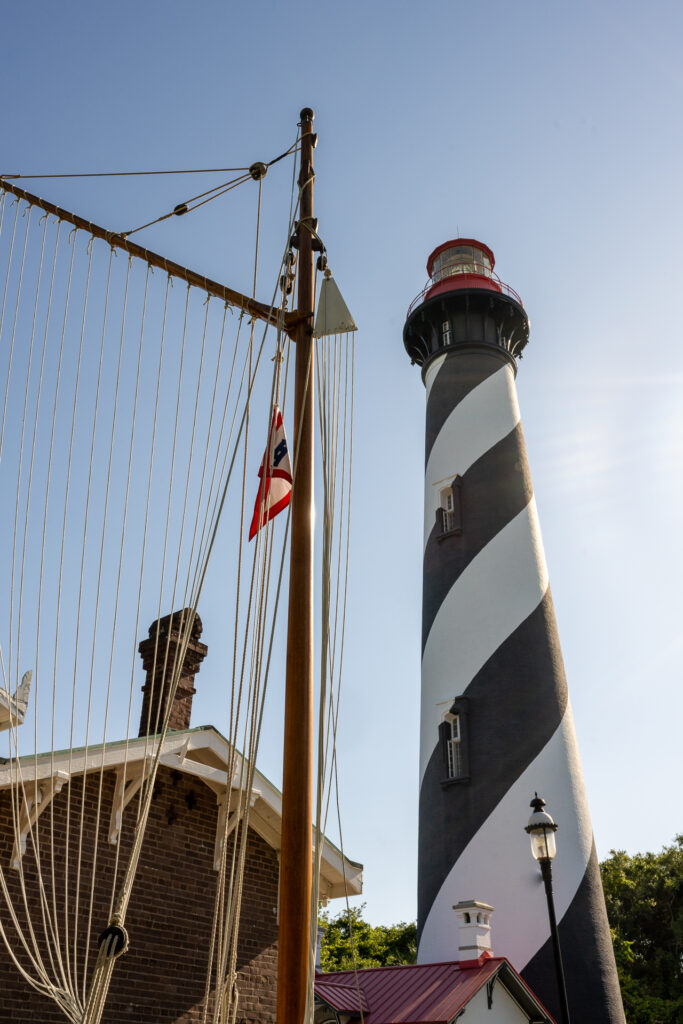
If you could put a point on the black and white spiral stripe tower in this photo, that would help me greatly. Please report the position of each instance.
(496, 723)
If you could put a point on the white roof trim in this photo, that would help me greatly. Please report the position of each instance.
(187, 752)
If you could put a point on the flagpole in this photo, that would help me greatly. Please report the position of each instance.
(297, 781)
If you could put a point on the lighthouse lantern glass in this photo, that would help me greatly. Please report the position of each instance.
(461, 259)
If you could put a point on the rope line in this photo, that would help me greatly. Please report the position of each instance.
(120, 573)
(122, 458)
(128, 174)
(182, 208)
(2, 319)
(335, 406)
(123, 897)
(258, 309)
(225, 930)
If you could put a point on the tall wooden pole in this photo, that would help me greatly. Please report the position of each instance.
(297, 782)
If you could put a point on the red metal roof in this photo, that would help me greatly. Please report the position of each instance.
(343, 990)
(411, 994)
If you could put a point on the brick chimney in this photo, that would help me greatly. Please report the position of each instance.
(474, 932)
(160, 670)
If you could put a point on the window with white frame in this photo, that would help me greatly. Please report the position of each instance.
(448, 506)
(454, 748)
(449, 511)
(446, 335)
(454, 734)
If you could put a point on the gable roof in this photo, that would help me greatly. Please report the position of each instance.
(200, 751)
(421, 993)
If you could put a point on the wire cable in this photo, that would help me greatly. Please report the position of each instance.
(131, 174)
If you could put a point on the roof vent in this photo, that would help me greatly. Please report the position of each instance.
(474, 932)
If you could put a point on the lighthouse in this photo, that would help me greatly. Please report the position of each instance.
(496, 723)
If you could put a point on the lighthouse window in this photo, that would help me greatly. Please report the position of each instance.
(454, 743)
(455, 749)
(449, 512)
(447, 506)
(446, 332)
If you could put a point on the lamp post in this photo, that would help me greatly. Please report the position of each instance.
(541, 830)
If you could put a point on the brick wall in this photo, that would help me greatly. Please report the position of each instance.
(161, 979)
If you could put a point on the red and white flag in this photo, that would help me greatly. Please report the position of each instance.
(275, 487)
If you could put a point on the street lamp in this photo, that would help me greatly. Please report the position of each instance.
(541, 830)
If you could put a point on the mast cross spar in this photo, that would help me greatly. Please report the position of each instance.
(259, 310)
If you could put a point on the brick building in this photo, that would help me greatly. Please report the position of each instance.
(162, 977)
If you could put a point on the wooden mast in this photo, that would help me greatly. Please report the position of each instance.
(297, 780)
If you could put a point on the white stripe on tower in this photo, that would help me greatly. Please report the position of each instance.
(484, 416)
(499, 853)
(497, 591)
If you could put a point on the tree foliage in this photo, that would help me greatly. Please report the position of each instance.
(644, 897)
(375, 945)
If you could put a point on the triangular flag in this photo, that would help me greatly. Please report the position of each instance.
(275, 473)
(333, 315)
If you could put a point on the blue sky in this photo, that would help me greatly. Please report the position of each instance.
(552, 133)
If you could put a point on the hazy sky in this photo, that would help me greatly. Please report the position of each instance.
(552, 133)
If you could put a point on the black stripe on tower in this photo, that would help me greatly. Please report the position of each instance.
(493, 491)
(454, 381)
(587, 955)
(515, 704)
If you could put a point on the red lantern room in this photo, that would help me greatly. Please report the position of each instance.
(464, 303)
(461, 263)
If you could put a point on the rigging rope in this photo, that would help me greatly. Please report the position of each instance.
(184, 207)
(335, 405)
(80, 439)
(225, 926)
(108, 482)
(129, 174)
(120, 906)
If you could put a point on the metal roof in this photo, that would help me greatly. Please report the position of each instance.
(413, 994)
(419, 993)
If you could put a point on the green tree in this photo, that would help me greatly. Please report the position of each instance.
(375, 945)
(644, 897)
